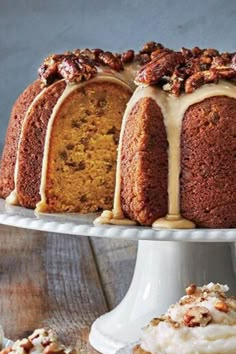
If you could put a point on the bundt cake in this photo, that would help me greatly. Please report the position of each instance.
(176, 157)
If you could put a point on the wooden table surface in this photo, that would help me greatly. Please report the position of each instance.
(60, 282)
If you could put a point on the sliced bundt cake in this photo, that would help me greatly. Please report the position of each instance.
(60, 149)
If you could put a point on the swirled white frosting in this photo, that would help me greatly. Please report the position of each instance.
(173, 334)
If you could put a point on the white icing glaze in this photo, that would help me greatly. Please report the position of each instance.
(101, 76)
(173, 110)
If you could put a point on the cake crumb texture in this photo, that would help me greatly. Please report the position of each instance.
(208, 163)
(83, 148)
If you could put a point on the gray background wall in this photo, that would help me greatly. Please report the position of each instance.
(31, 29)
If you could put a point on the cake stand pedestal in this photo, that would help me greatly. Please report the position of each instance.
(163, 270)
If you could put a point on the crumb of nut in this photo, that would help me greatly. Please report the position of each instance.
(231, 302)
(187, 300)
(222, 306)
(197, 316)
(173, 323)
(191, 289)
(26, 344)
(155, 321)
(54, 348)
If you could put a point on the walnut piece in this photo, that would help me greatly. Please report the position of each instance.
(197, 316)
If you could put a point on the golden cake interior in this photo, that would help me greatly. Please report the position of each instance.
(82, 154)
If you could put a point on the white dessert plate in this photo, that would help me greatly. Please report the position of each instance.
(82, 225)
(127, 349)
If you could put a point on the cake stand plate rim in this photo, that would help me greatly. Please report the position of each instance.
(82, 225)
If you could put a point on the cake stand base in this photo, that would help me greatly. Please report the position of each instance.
(163, 270)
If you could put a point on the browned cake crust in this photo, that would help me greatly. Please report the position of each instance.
(138, 350)
(144, 164)
(12, 137)
(32, 145)
(208, 161)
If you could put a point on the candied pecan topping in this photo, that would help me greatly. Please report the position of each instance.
(127, 56)
(175, 72)
(150, 47)
(75, 69)
(111, 60)
(163, 64)
(185, 71)
(81, 64)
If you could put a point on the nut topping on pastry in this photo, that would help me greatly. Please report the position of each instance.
(40, 342)
(197, 316)
(185, 71)
(205, 317)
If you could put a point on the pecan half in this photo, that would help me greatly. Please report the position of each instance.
(127, 56)
(197, 316)
(198, 79)
(111, 60)
(150, 47)
(226, 73)
(162, 65)
(76, 69)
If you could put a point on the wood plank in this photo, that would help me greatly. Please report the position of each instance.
(48, 280)
(115, 263)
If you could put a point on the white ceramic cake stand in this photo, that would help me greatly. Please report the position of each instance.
(167, 261)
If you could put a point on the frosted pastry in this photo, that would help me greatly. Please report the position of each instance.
(202, 322)
(40, 342)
